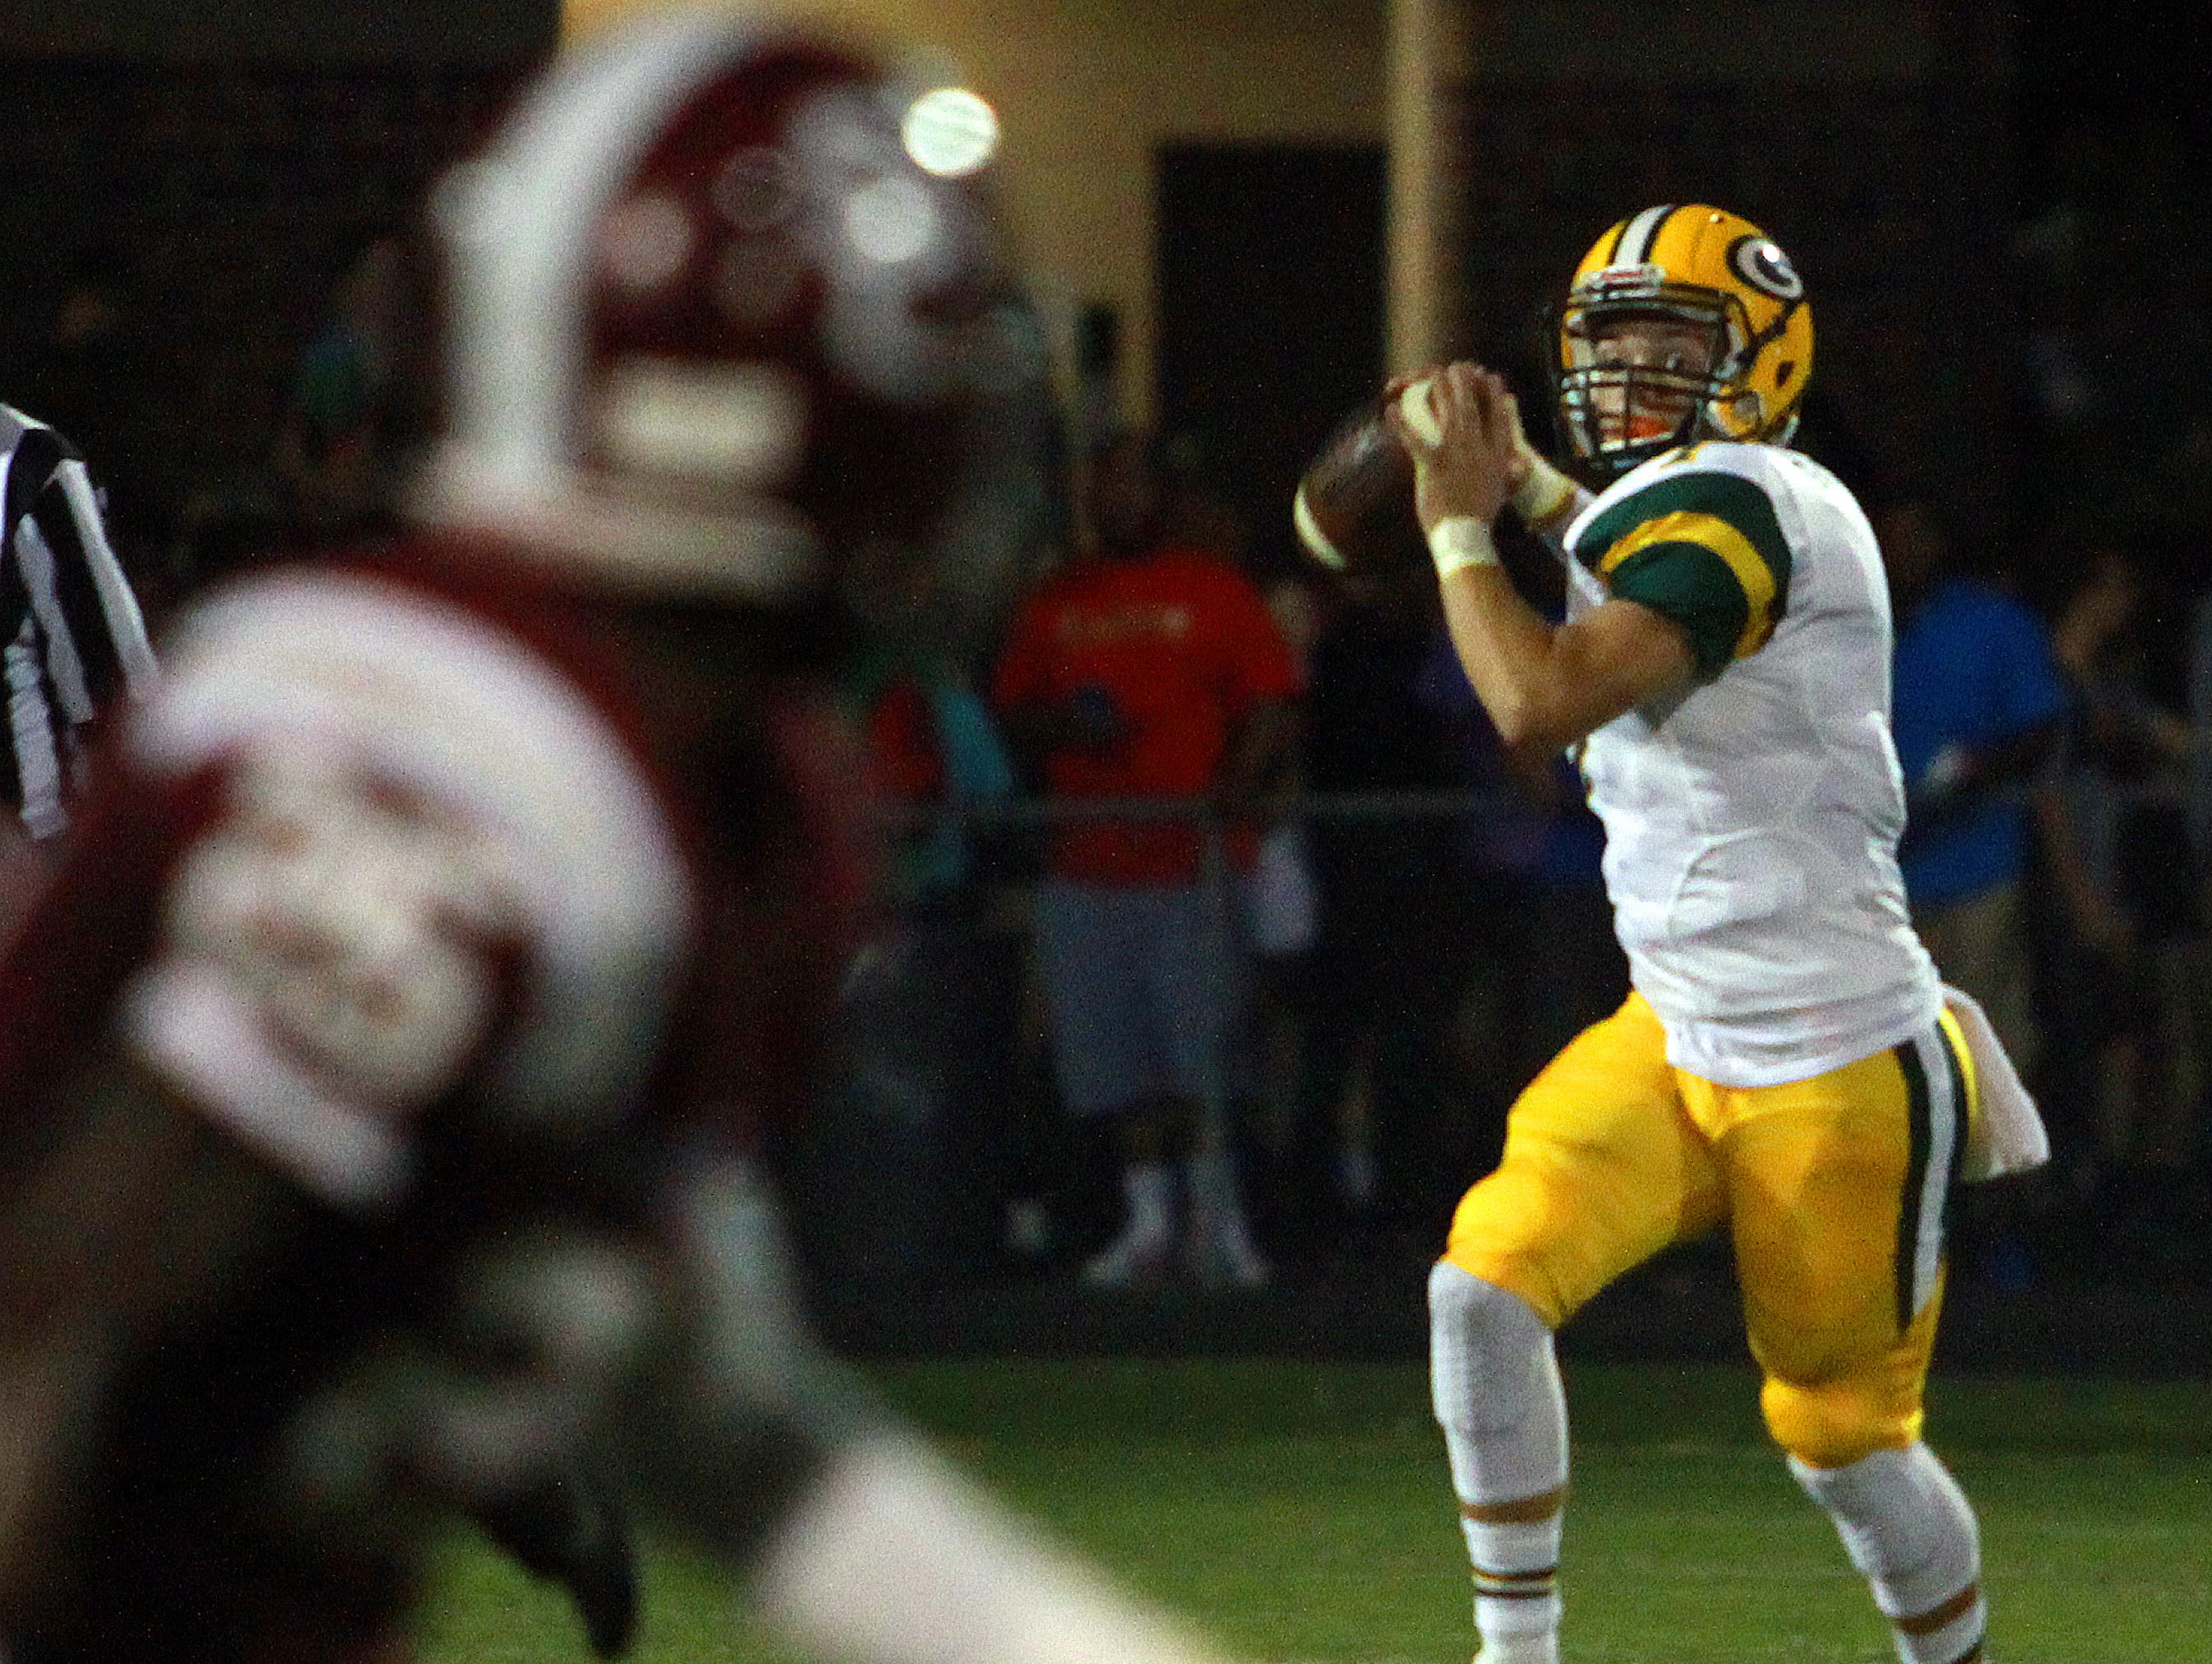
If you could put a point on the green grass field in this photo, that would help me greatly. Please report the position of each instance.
(1301, 1511)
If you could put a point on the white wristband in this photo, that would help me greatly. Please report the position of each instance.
(1460, 542)
(1543, 493)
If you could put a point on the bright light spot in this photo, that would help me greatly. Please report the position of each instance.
(890, 220)
(950, 131)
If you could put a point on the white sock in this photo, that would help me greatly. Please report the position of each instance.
(1495, 1382)
(1516, 1596)
(1908, 1527)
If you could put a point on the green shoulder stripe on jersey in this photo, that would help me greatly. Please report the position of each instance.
(1725, 512)
(1689, 583)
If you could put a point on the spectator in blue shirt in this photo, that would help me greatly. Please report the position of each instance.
(1979, 702)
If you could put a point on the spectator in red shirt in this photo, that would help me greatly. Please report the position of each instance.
(1150, 668)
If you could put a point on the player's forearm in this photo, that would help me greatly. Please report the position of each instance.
(853, 1538)
(895, 1558)
(743, 1410)
(1508, 652)
(120, 1205)
(121, 1212)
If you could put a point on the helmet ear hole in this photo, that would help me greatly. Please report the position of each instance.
(1739, 413)
(1783, 371)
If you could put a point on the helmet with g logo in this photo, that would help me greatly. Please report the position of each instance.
(1705, 269)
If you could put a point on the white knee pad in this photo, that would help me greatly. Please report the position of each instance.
(1495, 1382)
(1905, 1524)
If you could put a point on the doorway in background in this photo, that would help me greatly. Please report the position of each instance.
(1272, 313)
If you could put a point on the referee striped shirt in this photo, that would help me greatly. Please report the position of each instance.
(73, 632)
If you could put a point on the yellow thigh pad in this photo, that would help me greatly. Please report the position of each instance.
(1602, 1168)
(1837, 1188)
(1833, 1189)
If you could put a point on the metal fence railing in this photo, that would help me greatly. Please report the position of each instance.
(893, 1096)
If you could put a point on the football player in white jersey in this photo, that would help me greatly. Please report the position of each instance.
(1789, 1064)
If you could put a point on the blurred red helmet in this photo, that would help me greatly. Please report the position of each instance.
(728, 313)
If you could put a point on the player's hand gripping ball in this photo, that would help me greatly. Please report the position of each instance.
(1354, 508)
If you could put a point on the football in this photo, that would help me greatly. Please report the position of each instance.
(1354, 507)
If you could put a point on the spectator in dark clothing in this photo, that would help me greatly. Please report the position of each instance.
(96, 374)
(907, 1168)
(2126, 994)
(1375, 1125)
(1977, 704)
(1550, 965)
(346, 424)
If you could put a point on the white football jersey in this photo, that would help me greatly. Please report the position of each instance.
(1751, 820)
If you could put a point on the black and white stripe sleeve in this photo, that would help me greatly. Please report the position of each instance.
(87, 611)
(78, 638)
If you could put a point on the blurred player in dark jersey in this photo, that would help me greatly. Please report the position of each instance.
(392, 1044)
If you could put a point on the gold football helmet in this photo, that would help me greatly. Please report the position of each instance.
(1703, 273)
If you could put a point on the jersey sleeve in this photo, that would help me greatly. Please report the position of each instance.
(75, 637)
(92, 631)
(1704, 549)
(92, 596)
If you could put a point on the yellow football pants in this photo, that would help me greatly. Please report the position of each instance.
(1833, 1189)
